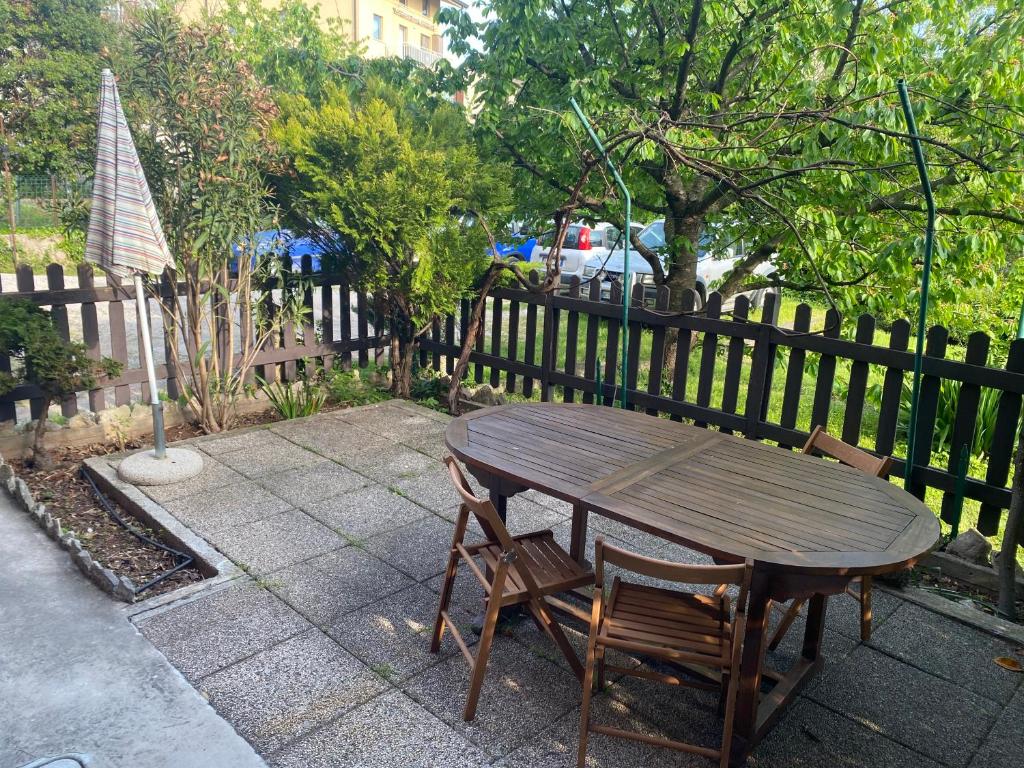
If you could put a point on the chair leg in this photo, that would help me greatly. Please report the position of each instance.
(540, 608)
(600, 669)
(865, 608)
(787, 621)
(730, 715)
(476, 680)
(445, 601)
(588, 686)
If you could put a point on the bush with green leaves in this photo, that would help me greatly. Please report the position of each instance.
(40, 357)
(354, 387)
(395, 191)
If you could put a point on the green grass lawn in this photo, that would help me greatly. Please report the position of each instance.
(869, 421)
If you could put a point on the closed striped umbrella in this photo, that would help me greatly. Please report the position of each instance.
(125, 238)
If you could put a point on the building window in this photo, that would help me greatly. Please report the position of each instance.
(403, 32)
(378, 27)
(426, 7)
(425, 42)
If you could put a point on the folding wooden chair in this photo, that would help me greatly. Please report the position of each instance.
(822, 442)
(677, 627)
(522, 570)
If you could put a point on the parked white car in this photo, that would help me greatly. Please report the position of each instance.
(582, 243)
(711, 266)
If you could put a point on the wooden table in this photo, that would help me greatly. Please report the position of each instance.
(808, 524)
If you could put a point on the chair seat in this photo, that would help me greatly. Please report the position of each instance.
(675, 621)
(551, 566)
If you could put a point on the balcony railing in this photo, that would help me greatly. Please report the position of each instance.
(423, 56)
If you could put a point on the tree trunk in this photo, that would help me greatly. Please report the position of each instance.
(403, 352)
(684, 234)
(40, 456)
(476, 322)
(1012, 537)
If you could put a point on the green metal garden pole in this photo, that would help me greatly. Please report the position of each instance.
(627, 277)
(922, 310)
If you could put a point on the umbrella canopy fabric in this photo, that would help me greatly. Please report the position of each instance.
(124, 235)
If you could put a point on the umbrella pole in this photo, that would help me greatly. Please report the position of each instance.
(159, 442)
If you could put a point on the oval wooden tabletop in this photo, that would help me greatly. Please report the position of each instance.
(723, 495)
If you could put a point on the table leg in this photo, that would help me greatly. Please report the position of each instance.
(749, 687)
(578, 537)
(814, 632)
(500, 502)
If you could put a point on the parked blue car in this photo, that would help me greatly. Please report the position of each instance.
(521, 251)
(286, 245)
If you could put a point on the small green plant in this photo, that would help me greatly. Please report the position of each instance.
(354, 387)
(385, 670)
(303, 398)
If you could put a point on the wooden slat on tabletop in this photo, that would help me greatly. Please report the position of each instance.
(593, 331)
(363, 326)
(90, 333)
(709, 352)
(633, 347)
(734, 360)
(449, 337)
(1004, 441)
(822, 403)
(611, 350)
(657, 348)
(795, 371)
(572, 331)
(530, 342)
(684, 341)
(892, 392)
(935, 346)
(966, 419)
(857, 387)
(496, 322)
(513, 342)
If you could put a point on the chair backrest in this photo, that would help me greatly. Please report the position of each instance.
(738, 573)
(484, 511)
(822, 442)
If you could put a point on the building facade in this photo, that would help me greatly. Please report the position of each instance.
(403, 28)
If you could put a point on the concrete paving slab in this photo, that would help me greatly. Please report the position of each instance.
(843, 614)
(1004, 747)
(521, 695)
(419, 549)
(811, 736)
(392, 634)
(76, 676)
(390, 731)
(432, 489)
(306, 485)
(268, 459)
(862, 687)
(237, 440)
(948, 649)
(276, 542)
(232, 505)
(365, 512)
(287, 690)
(391, 464)
(207, 634)
(326, 588)
(331, 438)
(214, 475)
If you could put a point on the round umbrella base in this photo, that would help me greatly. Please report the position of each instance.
(143, 468)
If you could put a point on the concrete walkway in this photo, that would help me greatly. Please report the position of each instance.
(76, 676)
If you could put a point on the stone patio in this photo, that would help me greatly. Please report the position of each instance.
(318, 656)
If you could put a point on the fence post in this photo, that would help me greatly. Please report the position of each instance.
(547, 351)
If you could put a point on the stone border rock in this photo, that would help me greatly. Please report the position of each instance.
(120, 587)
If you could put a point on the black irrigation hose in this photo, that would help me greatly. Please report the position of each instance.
(184, 560)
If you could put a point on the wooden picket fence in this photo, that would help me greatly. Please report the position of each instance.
(552, 343)
(97, 315)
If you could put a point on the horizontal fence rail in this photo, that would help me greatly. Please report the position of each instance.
(340, 326)
(747, 375)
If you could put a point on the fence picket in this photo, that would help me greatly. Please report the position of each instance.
(572, 330)
(530, 353)
(119, 348)
(633, 346)
(363, 327)
(708, 355)
(345, 324)
(496, 309)
(449, 335)
(966, 419)
(892, 392)
(826, 373)
(1004, 441)
(593, 331)
(734, 359)
(935, 346)
(611, 351)
(513, 343)
(684, 342)
(857, 387)
(795, 372)
(90, 334)
(59, 317)
(327, 320)
(769, 356)
(661, 302)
